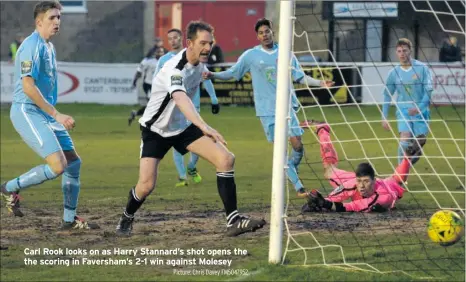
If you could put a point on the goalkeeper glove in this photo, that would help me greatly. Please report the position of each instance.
(215, 108)
(316, 202)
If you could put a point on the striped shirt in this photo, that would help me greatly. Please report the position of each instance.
(161, 115)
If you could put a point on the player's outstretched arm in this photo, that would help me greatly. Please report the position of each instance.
(301, 77)
(310, 81)
(31, 90)
(237, 71)
(317, 203)
(186, 106)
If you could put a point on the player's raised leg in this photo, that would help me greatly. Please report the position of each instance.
(178, 159)
(402, 171)
(224, 161)
(329, 155)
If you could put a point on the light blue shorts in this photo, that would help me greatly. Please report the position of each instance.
(40, 132)
(268, 122)
(416, 125)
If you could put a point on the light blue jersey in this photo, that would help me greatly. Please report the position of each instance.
(413, 87)
(197, 98)
(36, 58)
(262, 64)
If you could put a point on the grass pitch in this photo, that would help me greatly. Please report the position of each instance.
(390, 245)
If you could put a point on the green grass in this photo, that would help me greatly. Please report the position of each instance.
(192, 217)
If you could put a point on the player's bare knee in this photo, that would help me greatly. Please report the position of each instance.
(226, 162)
(57, 163)
(145, 187)
(58, 167)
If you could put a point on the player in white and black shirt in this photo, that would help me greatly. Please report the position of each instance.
(171, 120)
(146, 70)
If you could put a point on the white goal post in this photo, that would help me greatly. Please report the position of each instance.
(281, 129)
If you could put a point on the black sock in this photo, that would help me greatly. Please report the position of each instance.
(134, 203)
(227, 190)
(141, 111)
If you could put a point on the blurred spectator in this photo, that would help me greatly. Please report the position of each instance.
(15, 45)
(158, 42)
(216, 55)
(450, 51)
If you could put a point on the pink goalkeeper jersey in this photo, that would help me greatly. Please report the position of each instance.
(387, 192)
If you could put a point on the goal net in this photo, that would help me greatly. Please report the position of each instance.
(353, 44)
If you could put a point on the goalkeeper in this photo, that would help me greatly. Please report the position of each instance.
(365, 191)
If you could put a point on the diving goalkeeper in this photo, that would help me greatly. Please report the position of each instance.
(365, 191)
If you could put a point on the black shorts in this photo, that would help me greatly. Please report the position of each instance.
(156, 146)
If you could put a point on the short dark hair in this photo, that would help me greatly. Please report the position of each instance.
(404, 42)
(262, 22)
(194, 26)
(175, 30)
(365, 169)
(157, 48)
(44, 6)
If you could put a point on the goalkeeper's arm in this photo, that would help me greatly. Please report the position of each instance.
(316, 202)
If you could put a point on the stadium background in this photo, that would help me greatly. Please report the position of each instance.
(123, 31)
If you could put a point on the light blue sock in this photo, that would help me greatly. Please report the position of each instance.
(193, 161)
(401, 150)
(71, 186)
(296, 157)
(35, 176)
(179, 163)
(293, 176)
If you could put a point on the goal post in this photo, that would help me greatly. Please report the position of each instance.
(281, 129)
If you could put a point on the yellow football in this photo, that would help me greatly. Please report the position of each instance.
(446, 227)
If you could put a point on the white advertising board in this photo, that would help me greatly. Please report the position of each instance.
(365, 9)
(83, 83)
